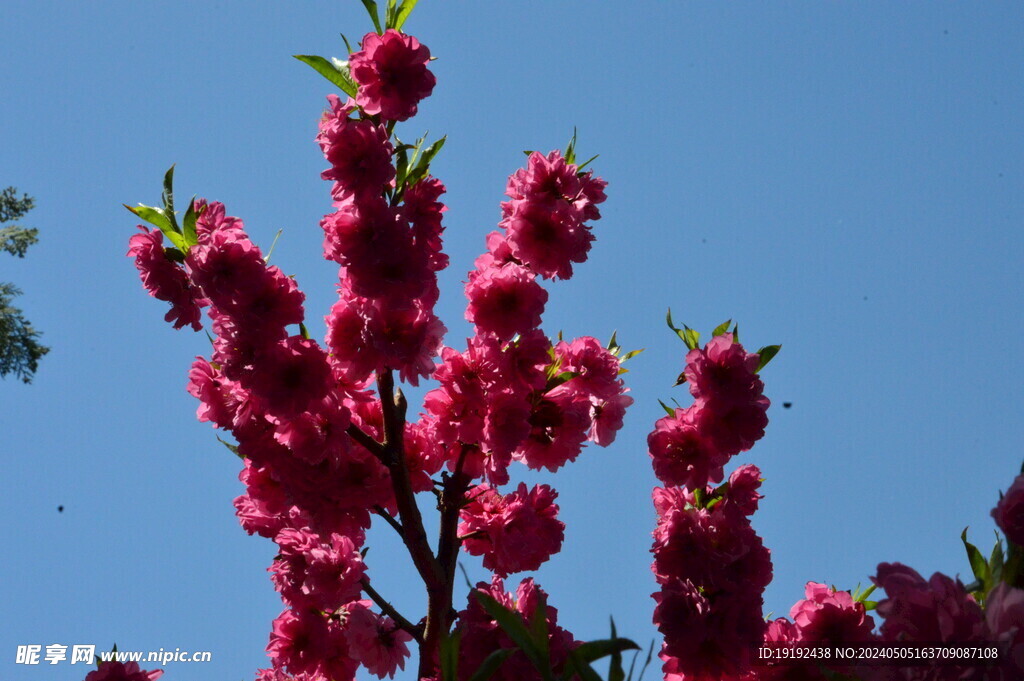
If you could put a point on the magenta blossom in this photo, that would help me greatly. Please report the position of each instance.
(1009, 512)
(392, 74)
(375, 641)
(358, 150)
(166, 280)
(830, 616)
(937, 611)
(505, 301)
(683, 453)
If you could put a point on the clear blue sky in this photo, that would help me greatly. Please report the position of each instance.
(842, 178)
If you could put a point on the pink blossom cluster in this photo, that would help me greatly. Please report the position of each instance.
(729, 414)
(1009, 512)
(480, 635)
(710, 564)
(513, 532)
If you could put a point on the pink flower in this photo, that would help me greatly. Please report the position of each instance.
(122, 671)
(608, 419)
(596, 367)
(314, 572)
(742, 491)
(375, 641)
(304, 642)
(290, 376)
(558, 429)
(212, 217)
(1009, 512)
(422, 208)
(723, 371)
(830, 616)
(1004, 612)
(683, 453)
(219, 397)
(706, 638)
(359, 152)
(547, 238)
(166, 280)
(481, 635)
(715, 549)
(936, 611)
(507, 423)
(392, 74)
(516, 532)
(263, 508)
(505, 301)
(545, 179)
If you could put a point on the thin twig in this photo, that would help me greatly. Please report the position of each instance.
(357, 434)
(383, 513)
(391, 612)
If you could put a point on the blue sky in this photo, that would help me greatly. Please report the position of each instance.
(841, 178)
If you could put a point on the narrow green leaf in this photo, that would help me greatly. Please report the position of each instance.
(570, 148)
(591, 651)
(690, 337)
(371, 9)
(528, 152)
(668, 410)
(631, 354)
(996, 561)
(423, 165)
(579, 168)
(351, 86)
(153, 216)
(348, 47)
(870, 605)
(539, 630)
(575, 665)
(168, 197)
(303, 331)
(615, 671)
(450, 656)
(232, 447)
(978, 564)
(647, 662)
(862, 596)
(721, 328)
(512, 624)
(407, 7)
(668, 320)
(680, 379)
(273, 245)
(330, 71)
(491, 664)
(613, 343)
(177, 239)
(766, 354)
(389, 14)
(188, 224)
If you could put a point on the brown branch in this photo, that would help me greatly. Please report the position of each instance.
(364, 439)
(383, 513)
(390, 611)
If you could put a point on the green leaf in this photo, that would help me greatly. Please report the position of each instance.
(407, 7)
(862, 596)
(490, 665)
(389, 14)
(371, 9)
(579, 168)
(978, 564)
(335, 71)
(668, 410)
(690, 337)
(613, 344)
(647, 662)
(189, 223)
(680, 379)
(303, 331)
(348, 47)
(512, 624)
(232, 447)
(631, 354)
(721, 328)
(450, 656)
(570, 149)
(576, 665)
(423, 165)
(615, 671)
(996, 561)
(168, 198)
(539, 629)
(154, 216)
(766, 354)
(591, 651)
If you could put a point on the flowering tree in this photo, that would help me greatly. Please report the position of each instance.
(328, 445)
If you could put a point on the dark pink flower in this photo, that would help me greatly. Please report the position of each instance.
(558, 429)
(305, 642)
(545, 179)
(166, 280)
(830, 616)
(742, 491)
(937, 611)
(264, 507)
(1004, 613)
(505, 301)
(683, 453)
(596, 367)
(608, 419)
(422, 208)
(122, 671)
(375, 641)
(547, 238)
(219, 396)
(392, 74)
(516, 532)
(212, 217)
(359, 152)
(1009, 512)
(317, 572)
(290, 376)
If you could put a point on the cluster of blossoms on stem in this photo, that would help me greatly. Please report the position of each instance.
(710, 564)
(322, 434)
